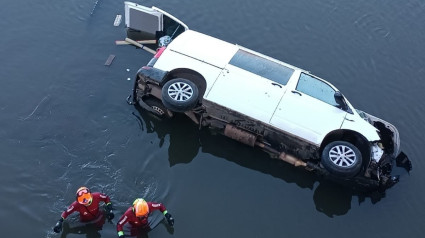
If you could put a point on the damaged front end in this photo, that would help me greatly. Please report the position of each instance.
(384, 153)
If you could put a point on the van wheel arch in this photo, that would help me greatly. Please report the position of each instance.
(352, 137)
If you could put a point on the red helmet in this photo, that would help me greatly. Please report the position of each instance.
(140, 207)
(84, 196)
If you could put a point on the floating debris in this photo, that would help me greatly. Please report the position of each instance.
(117, 21)
(109, 60)
(94, 7)
(133, 42)
(146, 42)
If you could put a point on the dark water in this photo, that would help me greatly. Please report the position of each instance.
(65, 123)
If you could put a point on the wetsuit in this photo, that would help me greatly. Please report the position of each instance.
(136, 222)
(90, 212)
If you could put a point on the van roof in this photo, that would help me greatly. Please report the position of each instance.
(204, 48)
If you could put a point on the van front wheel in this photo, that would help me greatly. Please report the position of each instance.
(342, 159)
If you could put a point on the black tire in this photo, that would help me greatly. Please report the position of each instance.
(159, 109)
(180, 95)
(342, 159)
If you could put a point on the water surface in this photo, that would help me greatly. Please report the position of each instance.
(65, 123)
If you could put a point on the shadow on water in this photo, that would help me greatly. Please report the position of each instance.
(93, 229)
(184, 135)
(186, 139)
(90, 229)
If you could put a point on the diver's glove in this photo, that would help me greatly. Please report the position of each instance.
(110, 215)
(170, 219)
(58, 226)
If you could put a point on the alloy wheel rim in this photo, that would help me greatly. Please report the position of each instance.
(180, 91)
(342, 156)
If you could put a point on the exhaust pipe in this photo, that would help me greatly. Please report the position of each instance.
(240, 135)
(287, 157)
(251, 140)
(292, 160)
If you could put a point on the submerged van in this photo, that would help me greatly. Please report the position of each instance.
(262, 102)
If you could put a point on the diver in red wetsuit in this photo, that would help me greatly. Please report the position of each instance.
(87, 204)
(137, 215)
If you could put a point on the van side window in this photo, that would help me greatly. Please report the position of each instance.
(172, 28)
(262, 67)
(316, 88)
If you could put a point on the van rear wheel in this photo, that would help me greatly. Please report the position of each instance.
(180, 95)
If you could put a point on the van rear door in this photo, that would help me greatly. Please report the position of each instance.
(151, 23)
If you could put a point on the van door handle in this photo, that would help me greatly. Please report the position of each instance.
(275, 84)
(296, 92)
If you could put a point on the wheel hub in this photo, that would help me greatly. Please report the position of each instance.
(180, 91)
(342, 156)
(158, 110)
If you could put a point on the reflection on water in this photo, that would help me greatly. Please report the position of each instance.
(90, 229)
(184, 141)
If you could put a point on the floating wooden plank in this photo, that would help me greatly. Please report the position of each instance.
(117, 21)
(109, 60)
(146, 42)
(133, 42)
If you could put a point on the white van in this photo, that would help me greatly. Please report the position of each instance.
(260, 101)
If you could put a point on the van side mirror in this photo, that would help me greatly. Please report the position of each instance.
(340, 100)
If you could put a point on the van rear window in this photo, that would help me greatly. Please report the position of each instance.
(262, 67)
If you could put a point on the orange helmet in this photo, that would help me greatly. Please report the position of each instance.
(84, 196)
(140, 207)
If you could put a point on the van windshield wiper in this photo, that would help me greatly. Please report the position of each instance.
(172, 36)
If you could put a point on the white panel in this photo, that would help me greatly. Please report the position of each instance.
(246, 93)
(205, 48)
(356, 123)
(307, 117)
